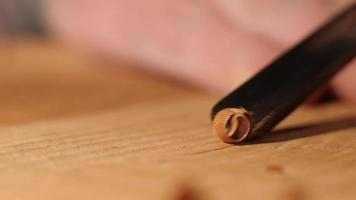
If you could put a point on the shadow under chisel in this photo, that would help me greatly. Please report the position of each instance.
(267, 98)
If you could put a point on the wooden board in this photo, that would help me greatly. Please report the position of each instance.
(72, 127)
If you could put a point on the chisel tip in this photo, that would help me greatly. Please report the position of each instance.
(232, 125)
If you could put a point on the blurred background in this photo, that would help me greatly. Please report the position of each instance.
(211, 45)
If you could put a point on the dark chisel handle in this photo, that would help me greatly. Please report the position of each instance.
(267, 98)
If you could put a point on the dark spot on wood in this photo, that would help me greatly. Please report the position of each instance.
(188, 192)
(274, 168)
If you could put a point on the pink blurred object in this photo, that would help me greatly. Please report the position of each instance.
(214, 44)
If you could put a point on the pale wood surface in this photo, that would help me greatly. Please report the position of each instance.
(72, 127)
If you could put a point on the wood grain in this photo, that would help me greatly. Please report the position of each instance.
(72, 127)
